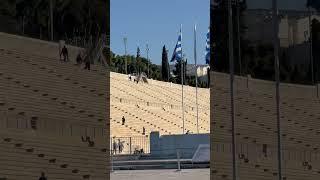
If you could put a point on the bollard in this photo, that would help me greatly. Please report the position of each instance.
(248, 80)
(178, 160)
(111, 162)
(130, 145)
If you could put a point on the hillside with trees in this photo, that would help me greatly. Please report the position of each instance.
(71, 18)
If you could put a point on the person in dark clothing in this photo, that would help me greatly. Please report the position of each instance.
(115, 146)
(120, 146)
(64, 52)
(87, 63)
(79, 59)
(123, 120)
(143, 131)
(42, 176)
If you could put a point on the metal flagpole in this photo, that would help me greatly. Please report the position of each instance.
(196, 73)
(182, 75)
(168, 64)
(231, 64)
(148, 59)
(276, 59)
(238, 34)
(125, 53)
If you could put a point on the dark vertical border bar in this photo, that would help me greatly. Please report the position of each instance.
(107, 109)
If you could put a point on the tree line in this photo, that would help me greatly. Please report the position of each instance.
(138, 64)
(71, 18)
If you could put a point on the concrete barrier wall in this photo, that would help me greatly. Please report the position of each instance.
(168, 145)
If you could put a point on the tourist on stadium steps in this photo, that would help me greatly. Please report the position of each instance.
(123, 120)
(87, 63)
(42, 176)
(65, 54)
(79, 59)
(120, 145)
(143, 131)
(115, 147)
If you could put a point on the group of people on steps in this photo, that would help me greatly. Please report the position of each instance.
(79, 59)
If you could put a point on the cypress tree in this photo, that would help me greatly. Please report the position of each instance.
(165, 65)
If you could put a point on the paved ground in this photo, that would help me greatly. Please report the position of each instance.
(171, 174)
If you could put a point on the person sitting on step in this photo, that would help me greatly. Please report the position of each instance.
(123, 120)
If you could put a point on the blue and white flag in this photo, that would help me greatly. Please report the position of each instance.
(208, 47)
(177, 53)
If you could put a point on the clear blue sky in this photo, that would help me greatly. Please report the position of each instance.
(157, 22)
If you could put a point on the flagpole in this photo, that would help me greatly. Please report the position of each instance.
(231, 66)
(125, 53)
(148, 59)
(181, 63)
(195, 62)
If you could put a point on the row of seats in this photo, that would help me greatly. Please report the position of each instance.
(51, 118)
(256, 123)
(154, 106)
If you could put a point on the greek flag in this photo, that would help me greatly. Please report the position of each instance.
(208, 47)
(177, 53)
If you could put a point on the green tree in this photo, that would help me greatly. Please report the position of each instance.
(69, 16)
(165, 64)
(137, 65)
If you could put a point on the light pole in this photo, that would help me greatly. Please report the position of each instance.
(51, 18)
(310, 42)
(125, 53)
(168, 64)
(196, 73)
(231, 66)
(238, 32)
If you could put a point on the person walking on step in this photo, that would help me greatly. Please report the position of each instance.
(65, 54)
(123, 120)
(115, 146)
(120, 146)
(43, 177)
(143, 131)
(79, 59)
